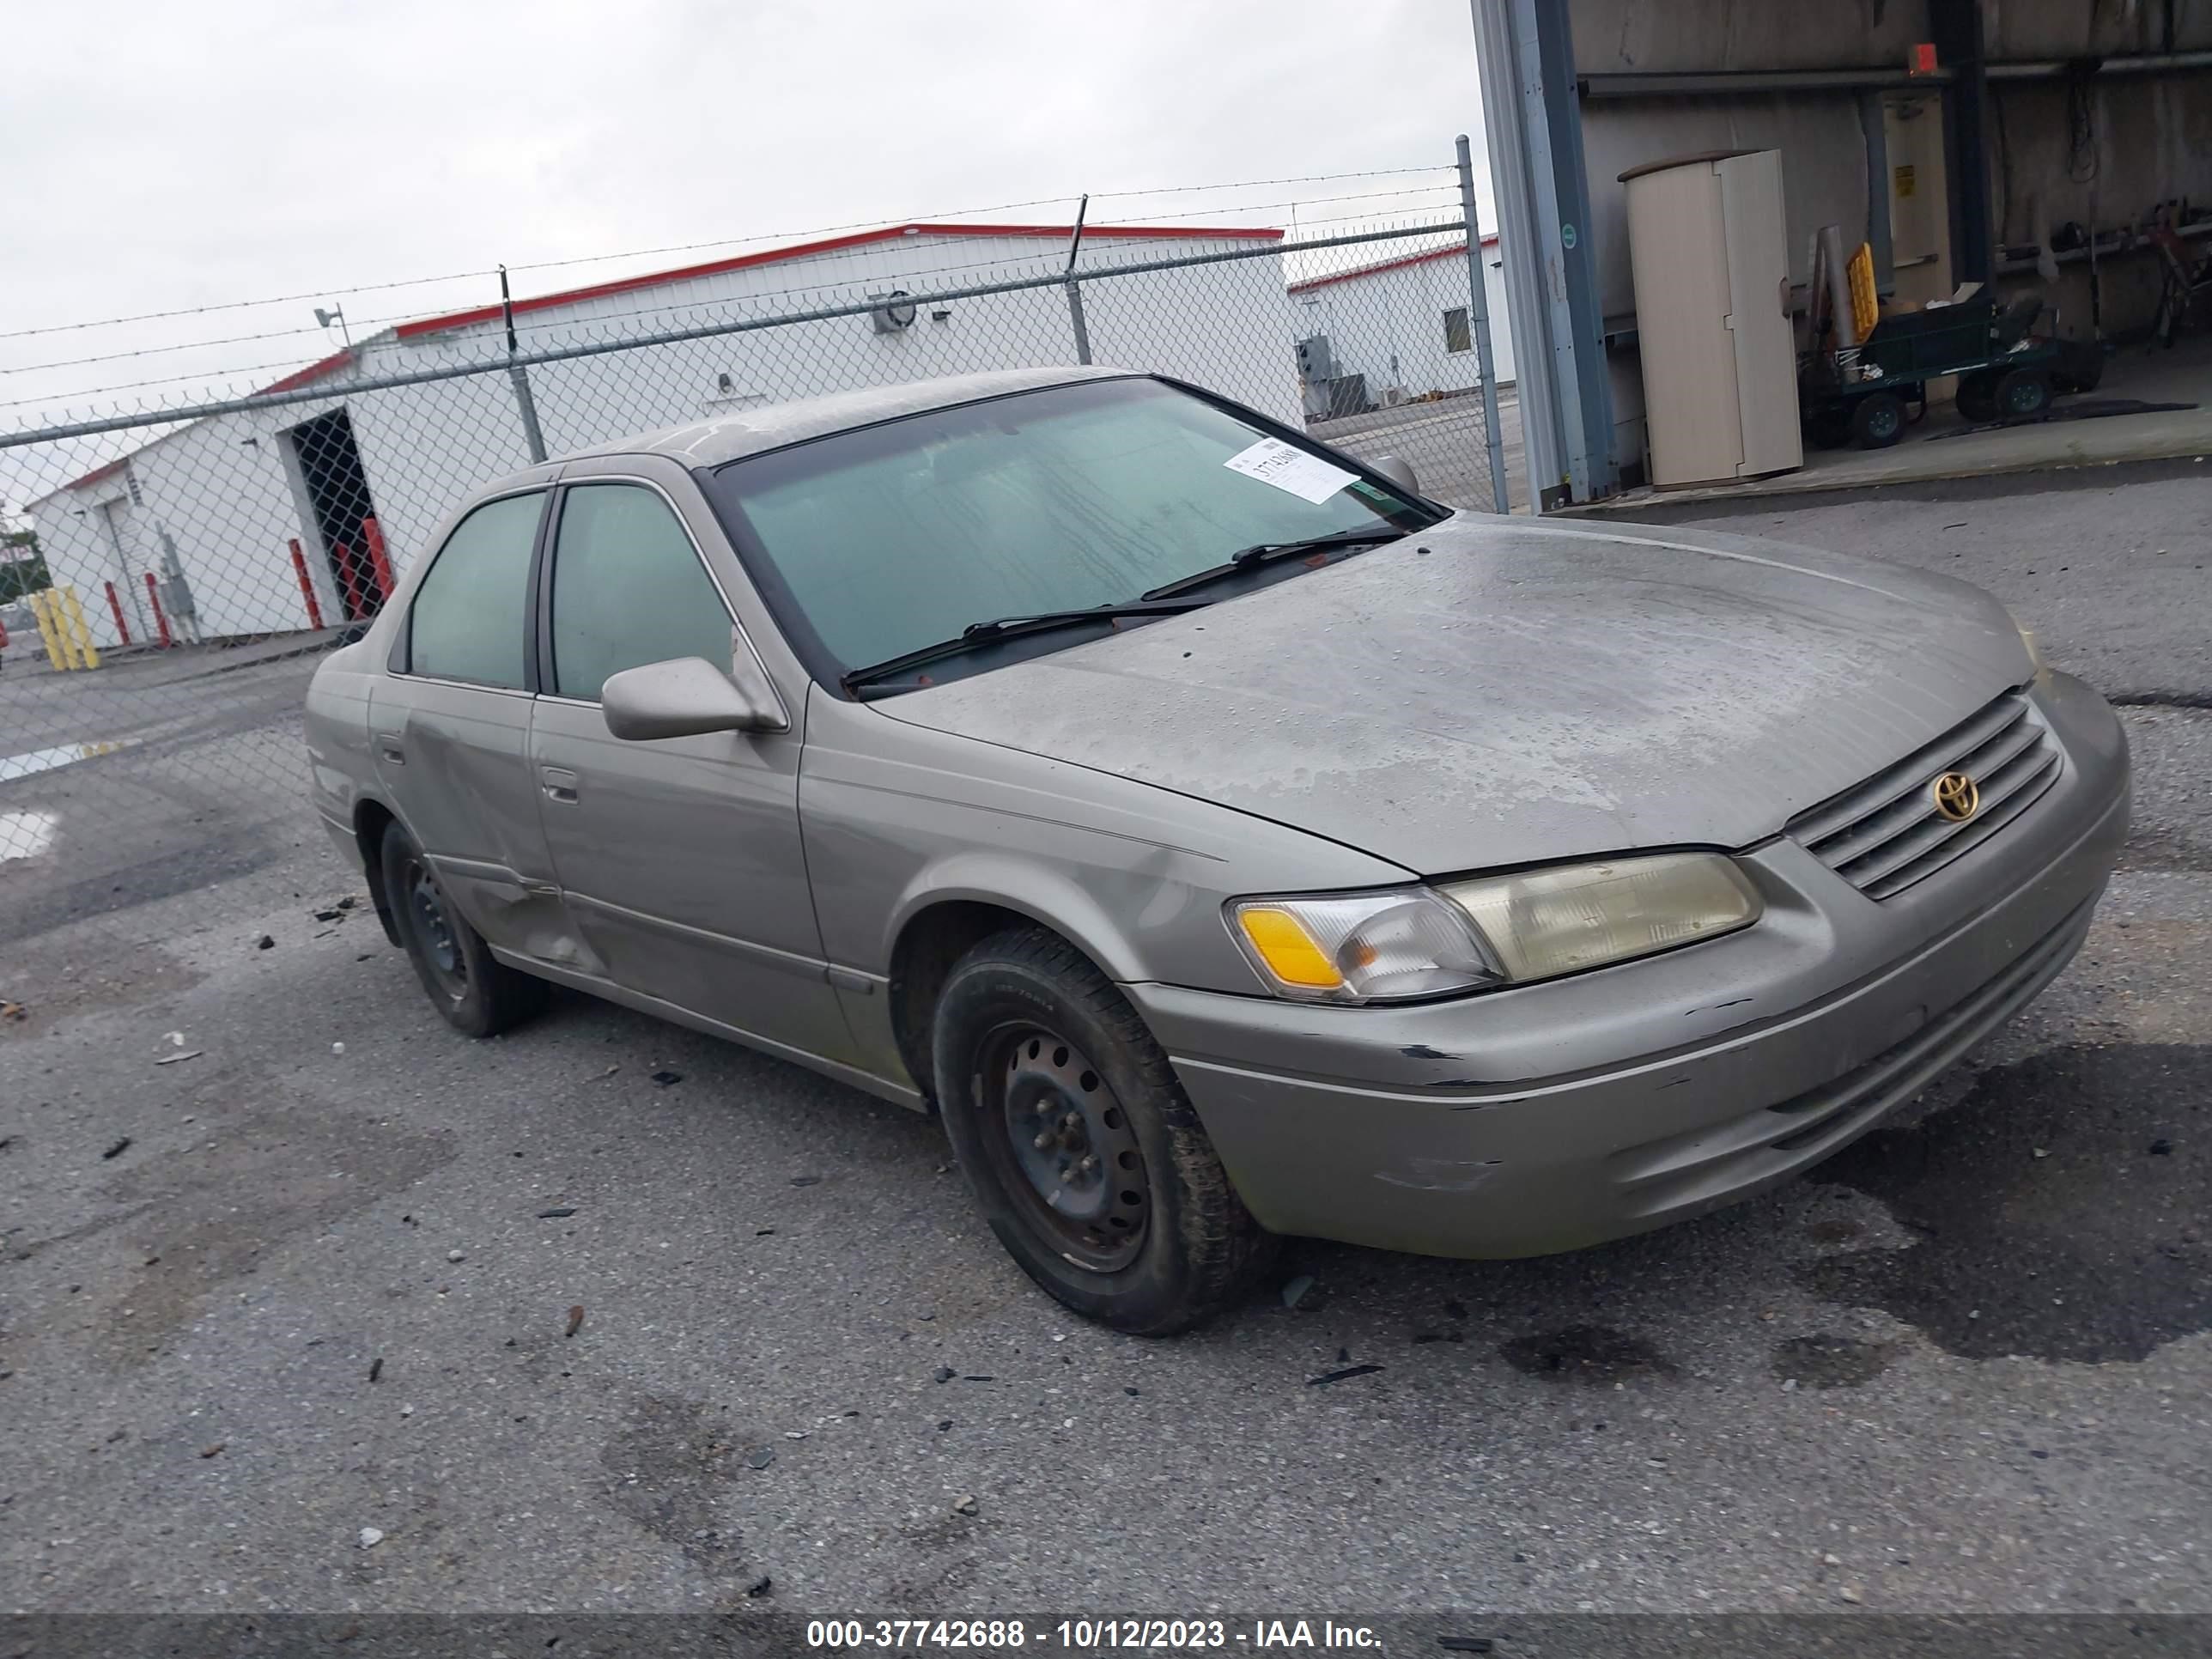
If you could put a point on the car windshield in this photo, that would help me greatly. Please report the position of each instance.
(882, 540)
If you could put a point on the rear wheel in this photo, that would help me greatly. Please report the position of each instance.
(476, 993)
(2023, 394)
(1978, 396)
(1080, 1148)
(1878, 420)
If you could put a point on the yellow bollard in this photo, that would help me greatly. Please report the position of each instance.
(80, 635)
(47, 636)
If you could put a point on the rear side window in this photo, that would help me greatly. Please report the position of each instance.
(628, 589)
(471, 616)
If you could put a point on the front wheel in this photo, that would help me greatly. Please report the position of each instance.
(476, 992)
(1077, 1142)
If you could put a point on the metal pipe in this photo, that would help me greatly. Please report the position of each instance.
(1874, 129)
(1478, 315)
(533, 437)
(1075, 288)
(2056, 69)
(306, 586)
(1749, 82)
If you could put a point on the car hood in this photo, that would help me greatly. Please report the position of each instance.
(1494, 692)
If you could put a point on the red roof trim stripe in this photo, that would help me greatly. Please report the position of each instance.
(830, 244)
(1457, 251)
(310, 375)
(97, 474)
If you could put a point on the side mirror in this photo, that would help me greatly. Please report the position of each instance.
(683, 698)
(1397, 472)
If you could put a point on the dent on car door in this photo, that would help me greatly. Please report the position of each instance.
(679, 857)
(450, 728)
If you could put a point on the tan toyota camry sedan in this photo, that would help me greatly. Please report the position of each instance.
(1227, 840)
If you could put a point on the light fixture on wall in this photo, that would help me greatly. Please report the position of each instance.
(335, 314)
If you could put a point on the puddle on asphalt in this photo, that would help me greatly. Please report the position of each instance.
(45, 760)
(26, 835)
(2063, 1208)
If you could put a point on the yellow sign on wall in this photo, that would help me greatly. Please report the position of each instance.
(1902, 181)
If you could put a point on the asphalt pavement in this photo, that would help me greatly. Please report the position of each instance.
(285, 1260)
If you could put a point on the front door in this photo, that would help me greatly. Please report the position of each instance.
(450, 731)
(679, 860)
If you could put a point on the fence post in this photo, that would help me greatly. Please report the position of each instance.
(1479, 316)
(306, 586)
(115, 607)
(161, 616)
(1075, 288)
(520, 376)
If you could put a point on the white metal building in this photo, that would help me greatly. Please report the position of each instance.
(211, 509)
(1403, 324)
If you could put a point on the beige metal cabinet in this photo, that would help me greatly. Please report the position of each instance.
(1709, 247)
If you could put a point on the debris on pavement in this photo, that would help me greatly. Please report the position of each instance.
(760, 1457)
(14, 1012)
(664, 1079)
(1466, 1643)
(1295, 1292)
(122, 1145)
(178, 1059)
(967, 1505)
(2161, 1147)
(1348, 1372)
(338, 1047)
(807, 1181)
(557, 1213)
(1846, 1593)
(376, 1368)
(210, 1451)
(760, 1587)
(371, 1537)
(267, 942)
(457, 1256)
(575, 1319)
(945, 1373)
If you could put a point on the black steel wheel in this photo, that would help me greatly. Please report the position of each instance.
(1079, 1145)
(473, 990)
(1878, 420)
(1066, 1152)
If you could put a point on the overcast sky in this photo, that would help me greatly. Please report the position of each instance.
(167, 156)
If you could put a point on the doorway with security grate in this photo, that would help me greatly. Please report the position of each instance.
(346, 516)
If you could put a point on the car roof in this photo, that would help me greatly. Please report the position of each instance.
(750, 431)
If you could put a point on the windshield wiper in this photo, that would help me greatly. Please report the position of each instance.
(998, 628)
(1268, 553)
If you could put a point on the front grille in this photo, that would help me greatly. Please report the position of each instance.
(1885, 834)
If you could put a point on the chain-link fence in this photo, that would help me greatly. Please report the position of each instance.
(179, 568)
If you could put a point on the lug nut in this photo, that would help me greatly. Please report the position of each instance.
(1042, 1141)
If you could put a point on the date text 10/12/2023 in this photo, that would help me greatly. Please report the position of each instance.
(1089, 1635)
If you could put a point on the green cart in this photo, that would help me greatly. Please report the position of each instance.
(1869, 393)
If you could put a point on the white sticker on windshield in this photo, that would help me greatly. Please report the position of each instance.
(1271, 461)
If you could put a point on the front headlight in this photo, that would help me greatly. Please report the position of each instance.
(1498, 930)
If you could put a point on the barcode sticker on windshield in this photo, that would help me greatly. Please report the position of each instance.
(1271, 461)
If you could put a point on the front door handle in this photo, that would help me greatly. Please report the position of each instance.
(559, 784)
(387, 747)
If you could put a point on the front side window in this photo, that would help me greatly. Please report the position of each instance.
(886, 539)
(628, 589)
(471, 617)
(1456, 338)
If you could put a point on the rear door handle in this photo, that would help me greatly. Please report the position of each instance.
(559, 784)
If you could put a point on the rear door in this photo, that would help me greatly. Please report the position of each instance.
(450, 727)
(679, 860)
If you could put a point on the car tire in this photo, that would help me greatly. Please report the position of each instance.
(1041, 1064)
(2023, 395)
(1977, 396)
(1878, 420)
(477, 994)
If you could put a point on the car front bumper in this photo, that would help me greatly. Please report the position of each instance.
(1554, 1115)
